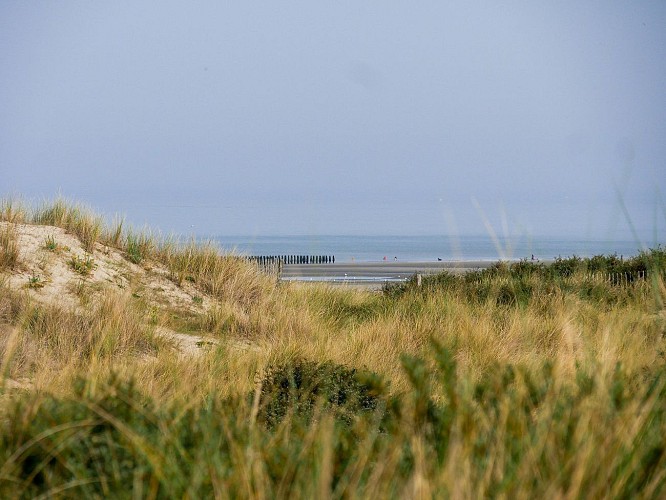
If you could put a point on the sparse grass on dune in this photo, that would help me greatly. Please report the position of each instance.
(139, 246)
(12, 210)
(226, 277)
(517, 383)
(74, 218)
(54, 340)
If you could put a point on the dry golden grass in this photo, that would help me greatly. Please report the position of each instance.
(350, 327)
(52, 345)
(225, 277)
(556, 396)
(9, 248)
(13, 210)
(75, 218)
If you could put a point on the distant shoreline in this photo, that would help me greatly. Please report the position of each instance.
(374, 249)
(379, 272)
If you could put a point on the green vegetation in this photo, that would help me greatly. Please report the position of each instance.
(520, 283)
(137, 246)
(523, 380)
(35, 281)
(115, 233)
(50, 244)
(317, 429)
(82, 265)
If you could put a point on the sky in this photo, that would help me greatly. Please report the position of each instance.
(346, 117)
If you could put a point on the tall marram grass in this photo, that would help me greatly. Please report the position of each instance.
(225, 277)
(138, 246)
(520, 382)
(515, 433)
(54, 340)
(74, 218)
(9, 247)
(494, 399)
(12, 210)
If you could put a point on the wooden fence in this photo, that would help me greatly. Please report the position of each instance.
(293, 259)
(272, 264)
(618, 278)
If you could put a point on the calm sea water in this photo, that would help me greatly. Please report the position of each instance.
(423, 248)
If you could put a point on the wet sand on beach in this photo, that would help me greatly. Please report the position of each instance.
(375, 272)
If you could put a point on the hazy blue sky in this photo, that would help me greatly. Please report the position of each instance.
(354, 117)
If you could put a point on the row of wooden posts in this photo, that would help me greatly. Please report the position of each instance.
(618, 278)
(272, 264)
(606, 277)
(293, 259)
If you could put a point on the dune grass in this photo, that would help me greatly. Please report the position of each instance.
(226, 277)
(74, 218)
(521, 381)
(9, 247)
(12, 210)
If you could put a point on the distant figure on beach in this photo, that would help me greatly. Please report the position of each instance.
(395, 258)
(384, 258)
(439, 259)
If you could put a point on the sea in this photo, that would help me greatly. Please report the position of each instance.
(429, 248)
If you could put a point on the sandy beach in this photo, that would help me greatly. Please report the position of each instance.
(372, 272)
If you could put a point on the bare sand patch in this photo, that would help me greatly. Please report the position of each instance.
(54, 269)
(47, 270)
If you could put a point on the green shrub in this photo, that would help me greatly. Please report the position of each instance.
(601, 279)
(111, 441)
(564, 268)
(35, 281)
(296, 388)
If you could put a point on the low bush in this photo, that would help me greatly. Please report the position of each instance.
(297, 388)
(517, 284)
